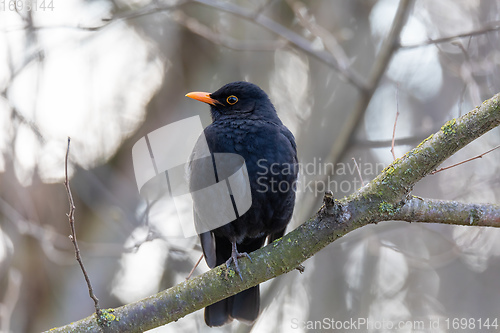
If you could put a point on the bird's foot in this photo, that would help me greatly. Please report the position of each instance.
(235, 255)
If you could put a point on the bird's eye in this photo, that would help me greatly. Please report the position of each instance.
(231, 100)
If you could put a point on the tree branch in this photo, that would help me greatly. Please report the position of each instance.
(72, 236)
(465, 161)
(387, 197)
(448, 212)
(489, 28)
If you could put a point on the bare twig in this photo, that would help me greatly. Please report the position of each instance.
(195, 265)
(467, 160)
(395, 122)
(359, 172)
(72, 237)
(492, 27)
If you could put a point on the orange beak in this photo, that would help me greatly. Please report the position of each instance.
(203, 97)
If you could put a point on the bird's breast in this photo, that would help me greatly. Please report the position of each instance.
(268, 155)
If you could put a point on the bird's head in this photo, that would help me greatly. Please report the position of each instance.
(238, 99)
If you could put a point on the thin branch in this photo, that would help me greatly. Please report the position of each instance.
(494, 26)
(194, 267)
(467, 160)
(395, 122)
(448, 212)
(359, 172)
(72, 237)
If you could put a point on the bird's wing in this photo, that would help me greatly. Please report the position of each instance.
(208, 245)
(289, 136)
(201, 175)
(274, 236)
(286, 132)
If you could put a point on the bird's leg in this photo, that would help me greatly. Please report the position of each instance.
(234, 258)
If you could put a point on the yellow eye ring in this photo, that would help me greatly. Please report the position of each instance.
(231, 100)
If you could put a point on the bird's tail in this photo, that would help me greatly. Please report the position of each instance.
(243, 306)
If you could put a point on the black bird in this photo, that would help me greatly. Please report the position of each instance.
(245, 122)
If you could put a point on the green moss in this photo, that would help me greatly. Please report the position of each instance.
(449, 127)
(428, 138)
(107, 317)
(473, 216)
(386, 208)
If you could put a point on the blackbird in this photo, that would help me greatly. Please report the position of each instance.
(245, 122)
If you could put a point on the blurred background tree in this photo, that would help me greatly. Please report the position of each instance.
(108, 72)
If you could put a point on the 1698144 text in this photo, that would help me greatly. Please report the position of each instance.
(26, 5)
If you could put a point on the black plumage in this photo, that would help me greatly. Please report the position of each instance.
(245, 122)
